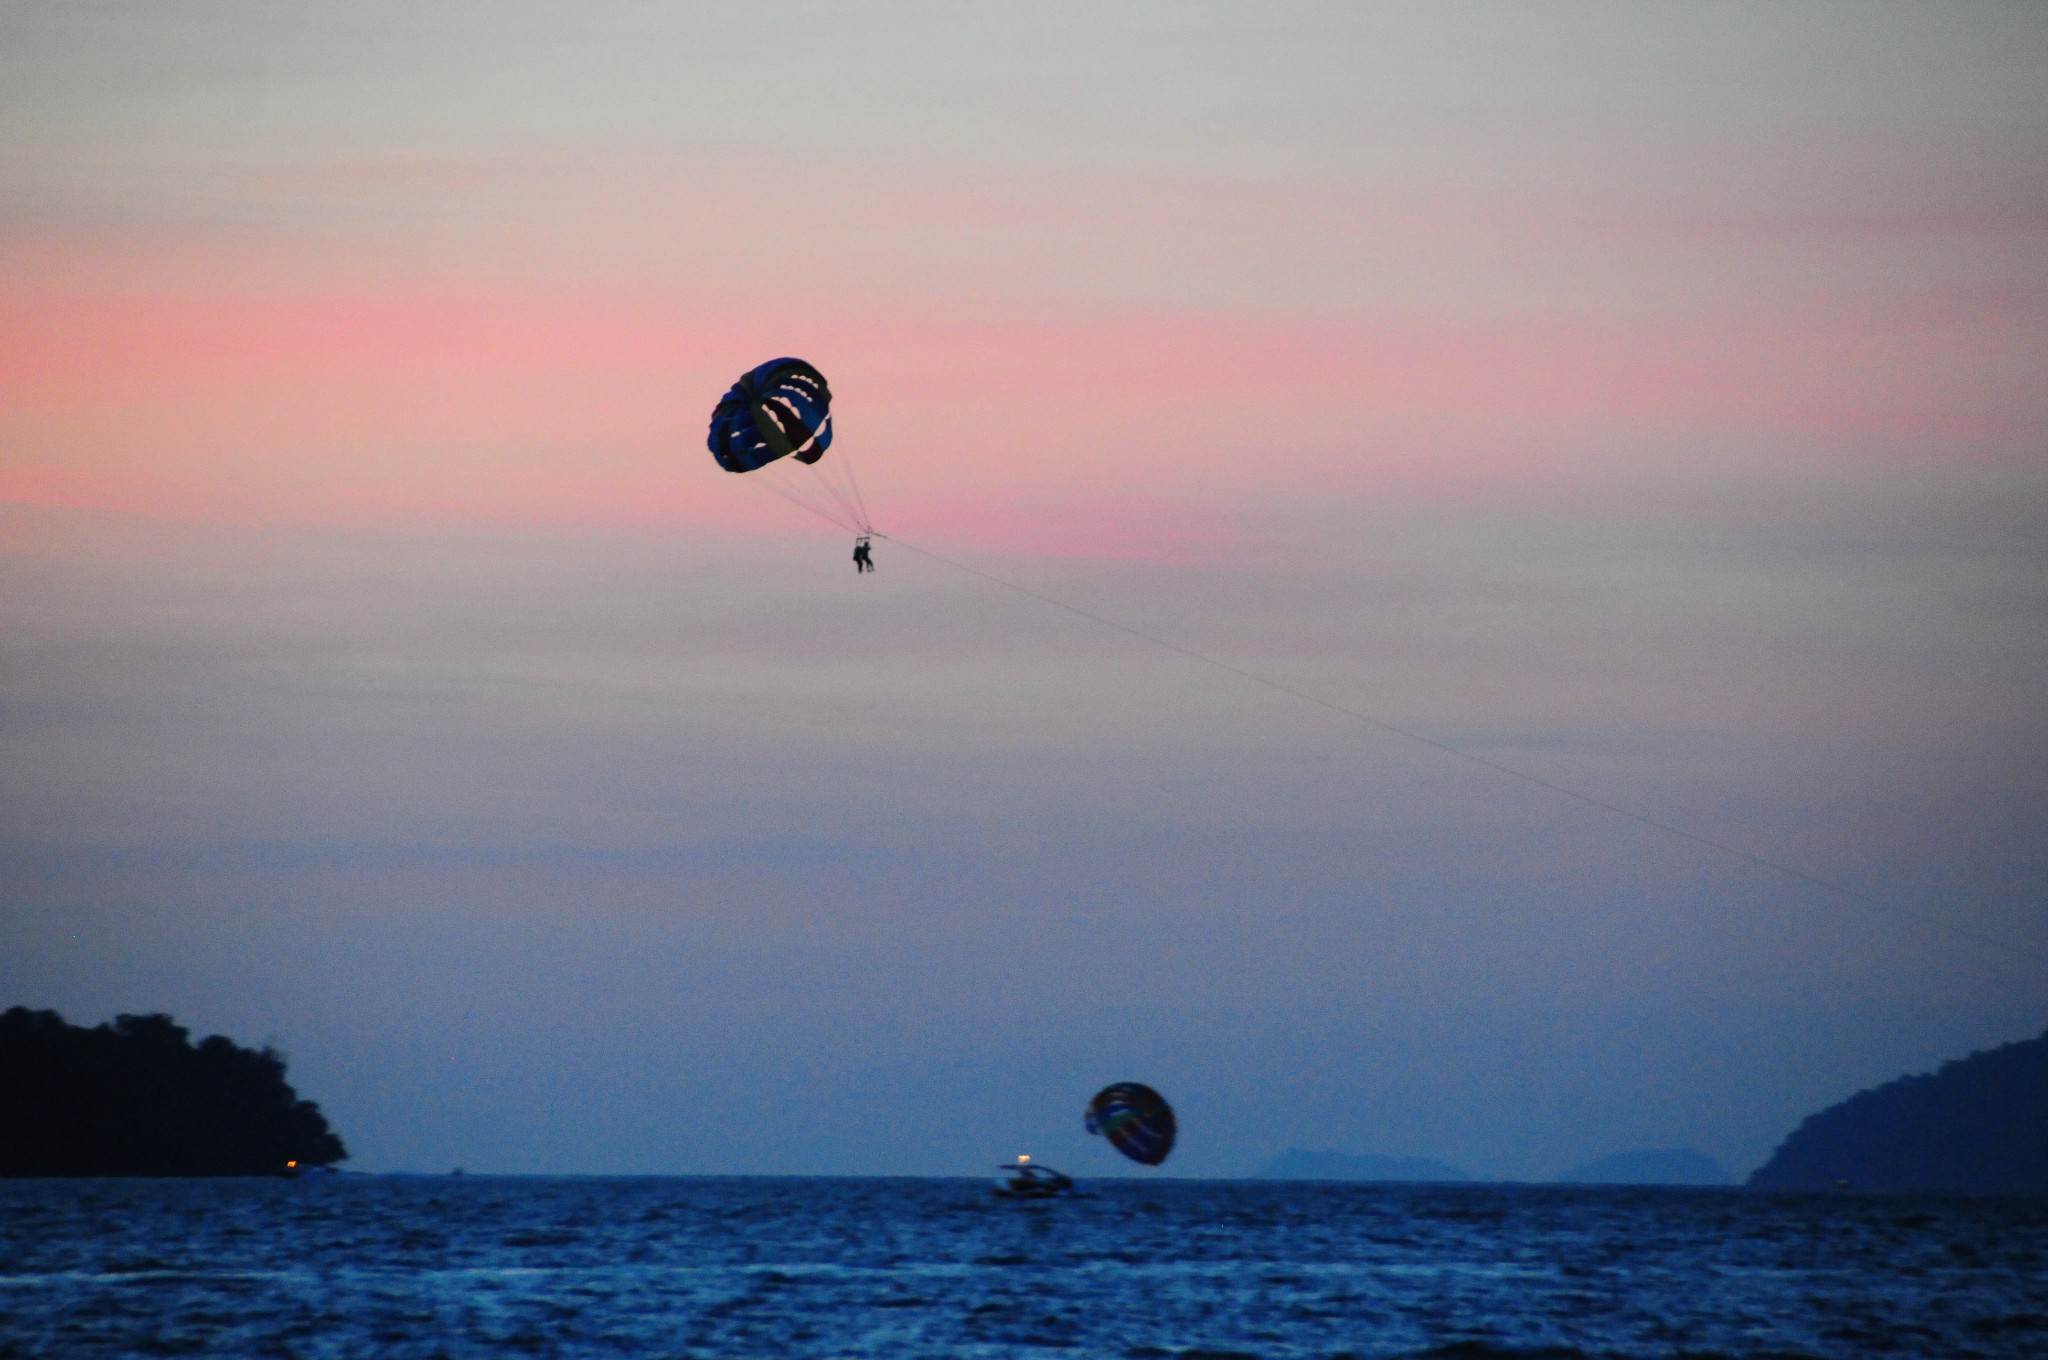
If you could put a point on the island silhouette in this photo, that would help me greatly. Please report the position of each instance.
(1978, 1125)
(137, 1098)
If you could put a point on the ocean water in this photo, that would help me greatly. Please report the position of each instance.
(482, 1266)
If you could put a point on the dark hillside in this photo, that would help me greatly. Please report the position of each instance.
(1978, 1124)
(137, 1098)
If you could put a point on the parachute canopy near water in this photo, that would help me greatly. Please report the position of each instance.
(783, 409)
(1135, 1119)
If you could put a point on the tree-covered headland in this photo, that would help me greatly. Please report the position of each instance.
(1979, 1125)
(138, 1098)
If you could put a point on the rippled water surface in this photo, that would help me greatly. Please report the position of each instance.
(474, 1266)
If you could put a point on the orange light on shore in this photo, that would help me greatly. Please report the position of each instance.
(291, 1166)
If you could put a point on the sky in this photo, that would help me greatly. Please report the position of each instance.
(1648, 400)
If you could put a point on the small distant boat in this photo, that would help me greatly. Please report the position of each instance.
(1026, 1179)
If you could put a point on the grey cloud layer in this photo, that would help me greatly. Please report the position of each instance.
(597, 811)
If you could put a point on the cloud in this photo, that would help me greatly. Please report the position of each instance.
(136, 379)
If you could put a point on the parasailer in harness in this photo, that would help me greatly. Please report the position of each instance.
(861, 560)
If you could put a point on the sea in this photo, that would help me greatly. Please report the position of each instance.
(462, 1266)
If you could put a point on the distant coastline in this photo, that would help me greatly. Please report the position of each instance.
(1650, 1166)
(137, 1098)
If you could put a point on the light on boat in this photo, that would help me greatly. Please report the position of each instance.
(1023, 1157)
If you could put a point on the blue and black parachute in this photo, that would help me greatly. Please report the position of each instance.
(783, 409)
(1135, 1119)
(779, 417)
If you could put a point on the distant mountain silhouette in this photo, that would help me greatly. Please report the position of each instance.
(137, 1098)
(1298, 1164)
(1978, 1124)
(1651, 1166)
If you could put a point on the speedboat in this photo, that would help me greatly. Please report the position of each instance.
(1026, 1179)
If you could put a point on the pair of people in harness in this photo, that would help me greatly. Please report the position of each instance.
(861, 560)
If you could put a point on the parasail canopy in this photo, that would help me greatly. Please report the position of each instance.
(1135, 1119)
(783, 409)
